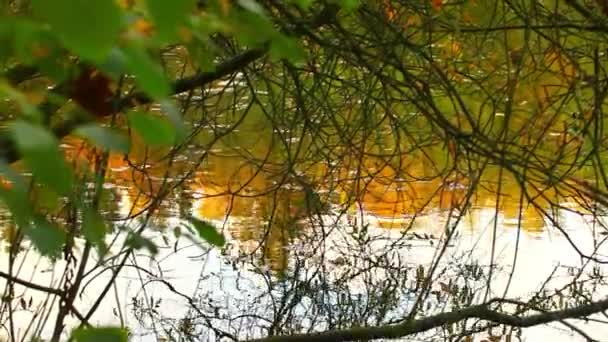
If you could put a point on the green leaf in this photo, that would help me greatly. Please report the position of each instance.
(46, 199)
(149, 76)
(7, 35)
(168, 15)
(287, 48)
(40, 150)
(202, 52)
(154, 130)
(45, 236)
(27, 36)
(100, 334)
(177, 232)
(115, 63)
(89, 28)
(252, 29)
(252, 6)
(136, 241)
(305, 4)
(16, 197)
(206, 231)
(27, 108)
(94, 228)
(176, 118)
(349, 4)
(53, 66)
(104, 137)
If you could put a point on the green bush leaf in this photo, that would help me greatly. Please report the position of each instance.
(136, 241)
(89, 28)
(349, 4)
(46, 237)
(202, 52)
(154, 130)
(46, 199)
(287, 48)
(27, 108)
(206, 231)
(168, 15)
(40, 150)
(16, 197)
(94, 228)
(104, 137)
(253, 29)
(115, 64)
(303, 3)
(176, 118)
(101, 334)
(149, 75)
(252, 6)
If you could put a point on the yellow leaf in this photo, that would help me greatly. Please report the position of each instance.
(389, 10)
(185, 34)
(143, 27)
(412, 20)
(126, 4)
(225, 5)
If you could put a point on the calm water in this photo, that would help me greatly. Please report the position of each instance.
(320, 232)
(353, 235)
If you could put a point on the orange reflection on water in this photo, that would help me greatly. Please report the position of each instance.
(266, 209)
(231, 186)
(142, 173)
(261, 212)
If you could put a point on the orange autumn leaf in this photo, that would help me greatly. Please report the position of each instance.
(454, 49)
(143, 27)
(5, 184)
(412, 20)
(389, 10)
(437, 4)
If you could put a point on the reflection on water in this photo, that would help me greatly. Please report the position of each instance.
(333, 228)
(265, 205)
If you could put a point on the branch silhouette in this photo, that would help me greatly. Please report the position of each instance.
(411, 327)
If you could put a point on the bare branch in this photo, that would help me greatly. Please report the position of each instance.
(425, 324)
